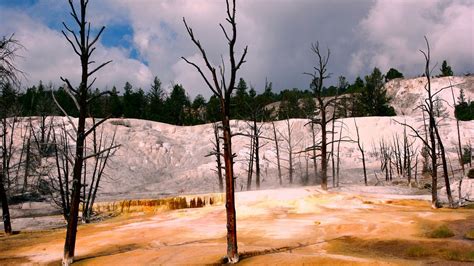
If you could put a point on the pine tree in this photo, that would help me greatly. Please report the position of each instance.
(446, 70)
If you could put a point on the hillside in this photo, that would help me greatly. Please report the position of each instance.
(407, 94)
(157, 158)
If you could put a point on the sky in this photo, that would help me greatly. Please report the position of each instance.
(147, 38)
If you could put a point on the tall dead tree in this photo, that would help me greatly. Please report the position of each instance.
(84, 45)
(318, 76)
(459, 148)
(338, 154)
(362, 152)
(428, 107)
(277, 148)
(256, 113)
(291, 145)
(9, 78)
(223, 89)
(216, 152)
(101, 153)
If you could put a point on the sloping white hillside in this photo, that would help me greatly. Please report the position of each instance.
(158, 159)
(407, 94)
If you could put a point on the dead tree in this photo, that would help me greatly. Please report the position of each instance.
(384, 153)
(9, 72)
(8, 126)
(291, 144)
(428, 107)
(333, 133)
(250, 163)
(60, 177)
(223, 91)
(216, 152)
(9, 78)
(84, 46)
(313, 139)
(256, 113)
(101, 154)
(277, 148)
(338, 153)
(362, 152)
(319, 75)
(459, 148)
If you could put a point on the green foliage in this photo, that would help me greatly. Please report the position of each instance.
(466, 155)
(446, 70)
(357, 87)
(289, 105)
(464, 111)
(469, 234)
(155, 98)
(393, 74)
(176, 106)
(133, 102)
(8, 100)
(470, 174)
(308, 106)
(197, 112)
(213, 110)
(240, 102)
(373, 96)
(417, 252)
(113, 104)
(441, 232)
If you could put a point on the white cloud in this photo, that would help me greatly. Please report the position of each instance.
(392, 35)
(279, 35)
(361, 35)
(48, 56)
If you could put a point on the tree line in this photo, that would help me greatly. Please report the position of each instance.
(366, 97)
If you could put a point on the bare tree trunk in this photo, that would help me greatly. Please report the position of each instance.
(83, 46)
(319, 76)
(257, 156)
(338, 155)
(7, 226)
(224, 91)
(416, 169)
(432, 125)
(445, 168)
(277, 153)
(324, 164)
(250, 166)
(458, 134)
(333, 162)
(315, 165)
(70, 243)
(290, 151)
(218, 156)
(232, 253)
(27, 163)
(361, 149)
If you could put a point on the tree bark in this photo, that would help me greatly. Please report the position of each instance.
(256, 155)
(277, 153)
(7, 226)
(232, 253)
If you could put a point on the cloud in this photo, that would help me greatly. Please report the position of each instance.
(48, 56)
(279, 36)
(361, 35)
(392, 35)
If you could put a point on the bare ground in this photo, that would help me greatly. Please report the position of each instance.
(287, 226)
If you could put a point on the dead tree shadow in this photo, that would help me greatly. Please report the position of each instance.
(109, 251)
(251, 254)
